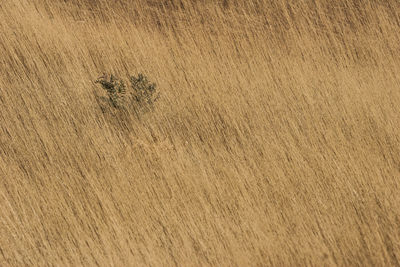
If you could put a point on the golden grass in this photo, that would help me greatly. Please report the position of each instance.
(276, 140)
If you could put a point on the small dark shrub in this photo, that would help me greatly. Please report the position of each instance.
(142, 94)
(115, 88)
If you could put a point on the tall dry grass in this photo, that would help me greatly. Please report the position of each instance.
(276, 140)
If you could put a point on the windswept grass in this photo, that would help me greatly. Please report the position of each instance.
(276, 140)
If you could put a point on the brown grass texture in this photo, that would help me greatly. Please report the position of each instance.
(276, 139)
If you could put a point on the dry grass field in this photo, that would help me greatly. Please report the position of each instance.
(276, 140)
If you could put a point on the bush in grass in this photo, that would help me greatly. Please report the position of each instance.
(141, 94)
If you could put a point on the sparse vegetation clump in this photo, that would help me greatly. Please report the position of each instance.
(115, 88)
(142, 94)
